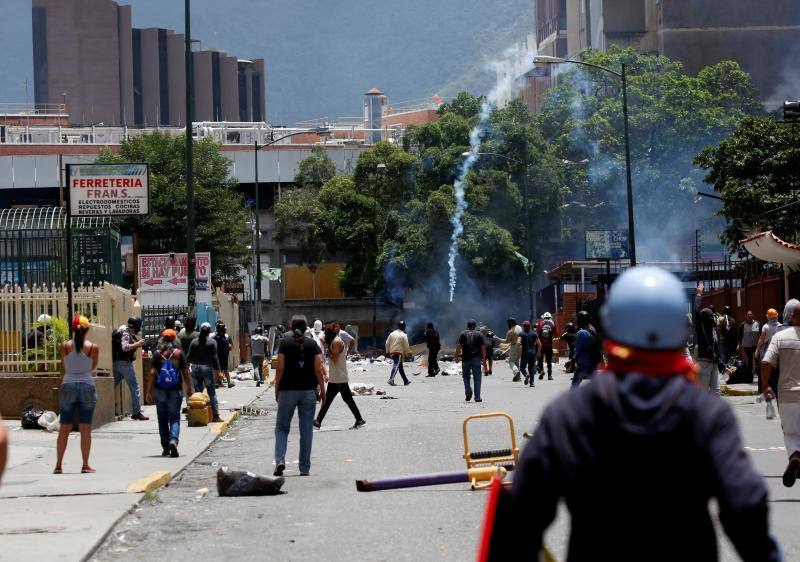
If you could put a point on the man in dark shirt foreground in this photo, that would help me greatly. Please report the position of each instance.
(638, 453)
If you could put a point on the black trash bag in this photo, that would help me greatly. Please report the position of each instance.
(739, 373)
(245, 483)
(30, 418)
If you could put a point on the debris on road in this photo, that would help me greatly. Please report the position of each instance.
(363, 389)
(201, 493)
(233, 483)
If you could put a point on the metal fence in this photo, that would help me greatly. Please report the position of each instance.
(107, 306)
(33, 248)
(153, 318)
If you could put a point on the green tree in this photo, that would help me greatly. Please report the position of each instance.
(757, 170)
(464, 104)
(315, 170)
(672, 117)
(221, 219)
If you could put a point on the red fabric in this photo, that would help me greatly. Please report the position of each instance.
(661, 364)
(495, 489)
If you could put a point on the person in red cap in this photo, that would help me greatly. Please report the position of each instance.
(638, 452)
(77, 395)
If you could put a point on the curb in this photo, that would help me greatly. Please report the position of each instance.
(150, 482)
(736, 392)
(221, 427)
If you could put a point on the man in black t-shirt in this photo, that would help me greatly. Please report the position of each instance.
(472, 354)
(434, 345)
(299, 383)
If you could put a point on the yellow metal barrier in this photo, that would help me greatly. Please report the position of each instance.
(492, 459)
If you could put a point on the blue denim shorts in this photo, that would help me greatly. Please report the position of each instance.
(77, 400)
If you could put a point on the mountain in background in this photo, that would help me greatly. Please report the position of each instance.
(322, 55)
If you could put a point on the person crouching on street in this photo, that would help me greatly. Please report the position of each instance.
(299, 385)
(204, 359)
(338, 382)
(77, 396)
(169, 375)
(398, 349)
(472, 354)
(639, 439)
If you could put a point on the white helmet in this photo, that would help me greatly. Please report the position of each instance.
(547, 316)
(646, 308)
(43, 318)
(317, 326)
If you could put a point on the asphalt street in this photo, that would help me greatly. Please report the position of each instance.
(416, 430)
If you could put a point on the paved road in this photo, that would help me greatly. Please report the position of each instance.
(323, 517)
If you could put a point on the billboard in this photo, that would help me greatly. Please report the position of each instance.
(607, 244)
(108, 189)
(169, 272)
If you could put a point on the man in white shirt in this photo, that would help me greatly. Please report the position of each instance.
(398, 349)
(784, 353)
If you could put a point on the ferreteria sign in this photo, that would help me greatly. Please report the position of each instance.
(108, 189)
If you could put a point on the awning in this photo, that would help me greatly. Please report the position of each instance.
(768, 247)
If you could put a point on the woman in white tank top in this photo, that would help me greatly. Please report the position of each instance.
(77, 396)
(337, 380)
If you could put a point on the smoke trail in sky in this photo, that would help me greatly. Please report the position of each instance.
(461, 202)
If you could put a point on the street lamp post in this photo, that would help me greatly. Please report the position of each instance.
(320, 131)
(381, 167)
(629, 183)
(190, 248)
(528, 241)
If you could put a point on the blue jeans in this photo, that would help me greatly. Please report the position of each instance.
(528, 364)
(124, 370)
(80, 397)
(203, 377)
(306, 402)
(472, 367)
(581, 372)
(397, 365)
(168, 409)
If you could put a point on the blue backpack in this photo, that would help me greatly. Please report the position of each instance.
(168, 377)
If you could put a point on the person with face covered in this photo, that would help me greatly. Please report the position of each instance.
(708, 354)
(637, 453)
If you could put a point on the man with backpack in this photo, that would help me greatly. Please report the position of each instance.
(546, 330)
(588, 351)
(168, 369)
(471, 351)
(124, 343)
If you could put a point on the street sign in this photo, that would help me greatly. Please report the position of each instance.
(168, 272)
(108, 189)
(607, 244)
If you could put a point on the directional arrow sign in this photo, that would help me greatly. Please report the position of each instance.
(152, 282)
(177, 280)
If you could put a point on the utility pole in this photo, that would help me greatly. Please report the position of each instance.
(190, 250)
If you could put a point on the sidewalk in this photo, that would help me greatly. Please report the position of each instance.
(62, 517)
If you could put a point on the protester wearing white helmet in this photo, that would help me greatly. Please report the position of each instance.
(641, 438)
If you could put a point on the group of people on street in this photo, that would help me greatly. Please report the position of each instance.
(183, 362)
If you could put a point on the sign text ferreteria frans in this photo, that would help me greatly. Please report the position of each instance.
(164, 272)
(108, 189)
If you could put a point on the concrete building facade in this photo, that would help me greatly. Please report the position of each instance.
(88, 55)
(763, 39)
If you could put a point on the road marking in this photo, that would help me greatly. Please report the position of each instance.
(782, 449)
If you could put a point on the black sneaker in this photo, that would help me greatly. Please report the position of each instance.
(549, 377)
(406, 383)
(469, 397)
(173, 449)
(279, 468)
(258, 383)
(140, 416)
(541, 376)
(317, 425)
(165, 453)
(525, 381)
(516, 378)
(479, 400)
(359, 423)
(790, 474)
(390, 382)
